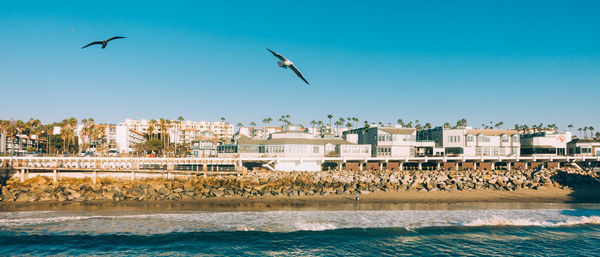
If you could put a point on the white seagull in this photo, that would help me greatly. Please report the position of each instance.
(285, 63)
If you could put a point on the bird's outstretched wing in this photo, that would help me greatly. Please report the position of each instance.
(114, 38)
(277, 55)
(93, 43)
(293, 67)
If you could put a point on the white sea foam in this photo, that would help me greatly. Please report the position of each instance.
(284, 221)
(35, 221)
(502, 221)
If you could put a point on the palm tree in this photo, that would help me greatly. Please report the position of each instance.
(447, 124)
(253, 124)
(591, 131)
(499, 124)
(152, 125)
(267, 121)
(239, 124)
(585, 129)
(180, 119)
(330, 116)
(580, 129)
(427, 125)
(570, 127)
(65, 134)
(313, 123)
(355, 120)
(337, 125)
(341, 123)
(400, 122)
(349, 125)
(223, 119)
(461, 123)
(282, 119)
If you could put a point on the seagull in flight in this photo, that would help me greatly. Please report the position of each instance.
(285, 63)
(103, 43)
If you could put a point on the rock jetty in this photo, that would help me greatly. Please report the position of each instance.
(259, 184)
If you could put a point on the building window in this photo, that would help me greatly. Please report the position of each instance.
(483, 138)
(470, 138)
(504, 138)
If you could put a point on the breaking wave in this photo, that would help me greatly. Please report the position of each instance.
(282, 221)
(501, 221)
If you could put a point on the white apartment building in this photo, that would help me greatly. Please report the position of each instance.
(126, 139)
(119, 138)
(186, 131)
(545, 143)
(474, 142)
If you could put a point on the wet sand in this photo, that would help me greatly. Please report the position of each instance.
(476, 199)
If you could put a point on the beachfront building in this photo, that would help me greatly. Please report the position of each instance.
(473, 142)
(294, 149)
(391, 141)
(545, 143)
(204, 145)
(126, 139)
(110, 138)
(2, 143)
(584, 147)
(182, 132)
(19, 144)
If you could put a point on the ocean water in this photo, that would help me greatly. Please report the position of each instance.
(463, 232)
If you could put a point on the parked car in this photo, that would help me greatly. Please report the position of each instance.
(113, 153)
(32, 154)
(87, 154)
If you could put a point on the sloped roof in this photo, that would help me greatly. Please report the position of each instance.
(492, 132)
(584, 140)
(398, 130)
(243, 140)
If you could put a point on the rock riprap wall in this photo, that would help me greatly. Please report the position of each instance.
(259, 184)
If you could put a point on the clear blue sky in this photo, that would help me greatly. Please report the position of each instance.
(435, 61)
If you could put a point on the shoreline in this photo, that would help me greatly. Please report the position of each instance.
(473, 199)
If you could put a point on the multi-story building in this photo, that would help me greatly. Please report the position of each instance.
(294, 149)
(584, 147)
(19, 143)
(393, 141)
(473, 142)
(204, 145)
(545, 143)
(183, 132)
(126, 139)
(2, 143)
(114, 138)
